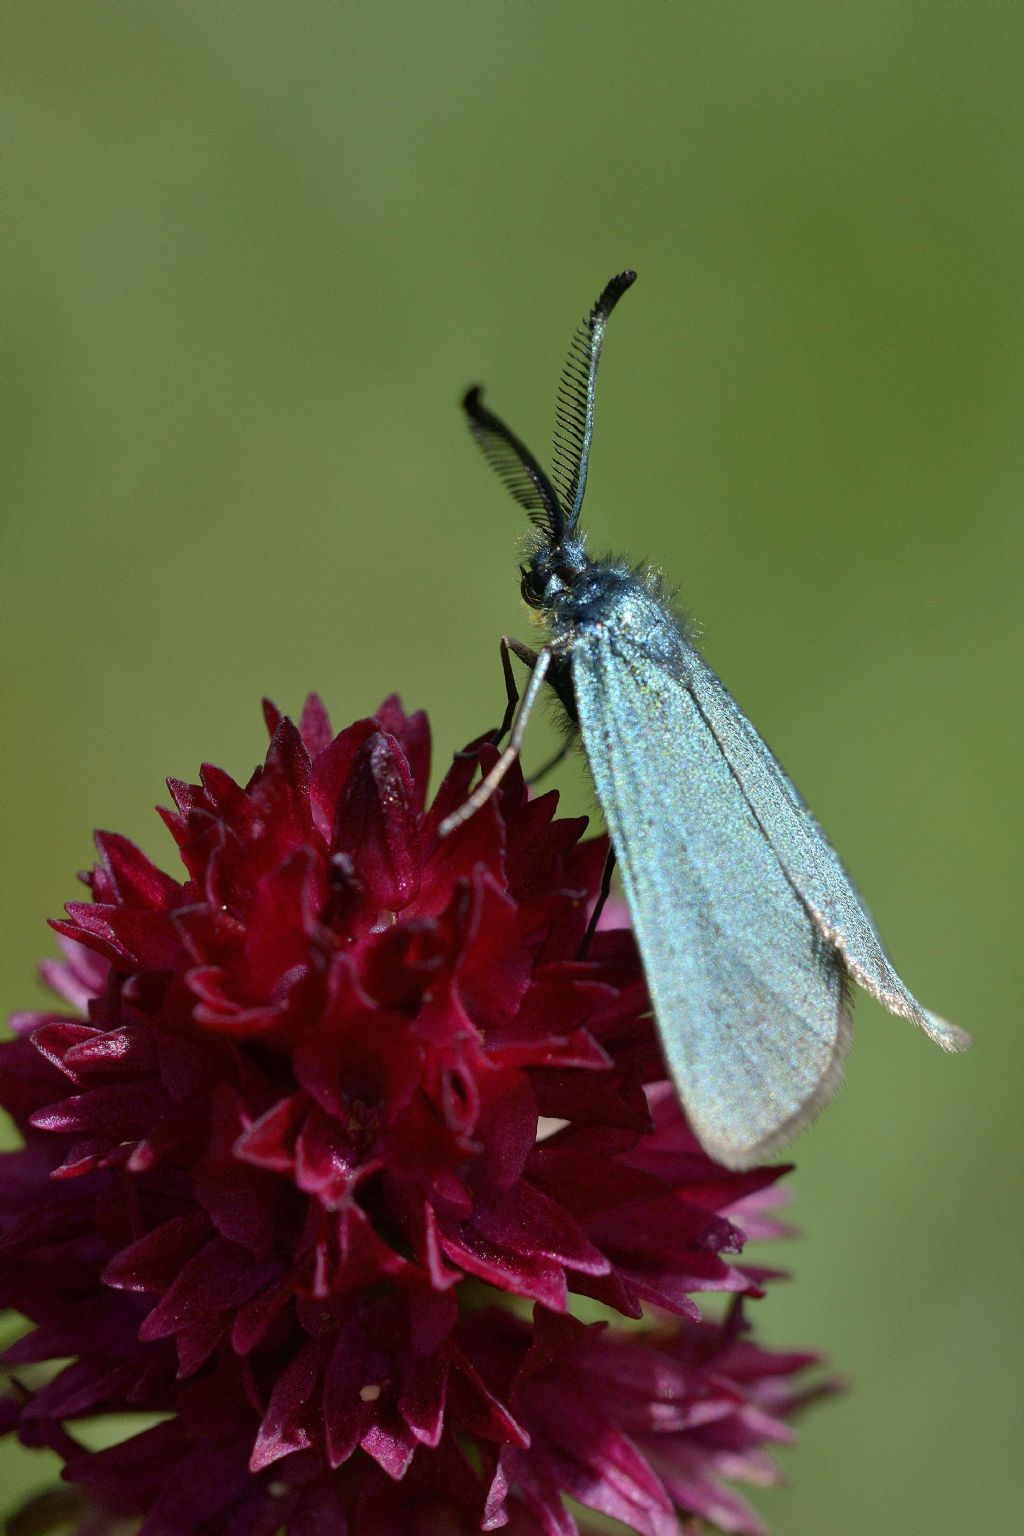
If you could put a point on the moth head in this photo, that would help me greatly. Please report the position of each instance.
(551, 570)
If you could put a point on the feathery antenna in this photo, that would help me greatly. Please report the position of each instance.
(574, 412)
(516, 467)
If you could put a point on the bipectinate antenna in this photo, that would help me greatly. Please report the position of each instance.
(574, 413)
(516, 467)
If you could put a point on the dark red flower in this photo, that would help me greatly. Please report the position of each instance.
(333, 1130)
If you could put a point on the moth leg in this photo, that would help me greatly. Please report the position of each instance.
(509, 648)
(485, 789)
(595, 916)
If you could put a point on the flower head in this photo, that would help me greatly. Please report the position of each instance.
(333, 1131)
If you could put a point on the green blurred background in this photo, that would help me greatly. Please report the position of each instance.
(255, 253)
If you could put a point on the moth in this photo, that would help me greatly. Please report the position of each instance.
(749, 928)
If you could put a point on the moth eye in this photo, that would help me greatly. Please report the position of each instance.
(529, 591)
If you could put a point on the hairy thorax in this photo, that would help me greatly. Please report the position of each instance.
(625, 603)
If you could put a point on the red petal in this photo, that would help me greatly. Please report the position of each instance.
(135, 878)
(331, 772)
(315, 725)
(413, 734)
(377, 824)
(287, 1423)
